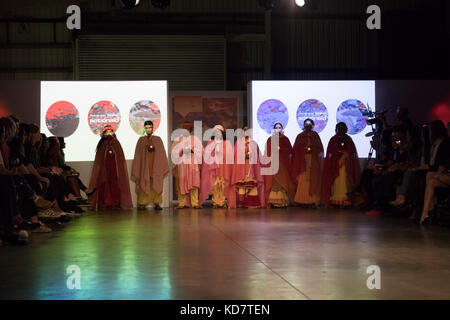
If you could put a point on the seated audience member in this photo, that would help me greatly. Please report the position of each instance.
(17, 159)
(8, 208)
(439, 165)
(417, 159)
(382, 144)
(57, 185)
(385, 183)
(72, 175)
(22, 201)
(65, 198)
(341, 171)
(434, 180)
(28, 136)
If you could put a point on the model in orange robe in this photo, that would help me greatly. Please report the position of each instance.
(279, 188)
(307, 165)
(187, 172)
(110, 175)
(342, 171)
(150, 167)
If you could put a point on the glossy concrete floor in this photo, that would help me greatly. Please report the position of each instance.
(241, 254)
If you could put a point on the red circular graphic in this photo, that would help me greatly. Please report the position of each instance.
(62, 119)
(101, 114)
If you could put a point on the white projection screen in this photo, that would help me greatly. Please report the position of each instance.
(78, 111)
(326, 102)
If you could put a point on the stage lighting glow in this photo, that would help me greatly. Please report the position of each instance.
(441, 112)
(4, 110)
(300, 3)
(129, 4)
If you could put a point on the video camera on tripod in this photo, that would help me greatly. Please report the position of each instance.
(373, 116)
(375, 122)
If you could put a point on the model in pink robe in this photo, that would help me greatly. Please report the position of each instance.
(211, 170)
(187, 171)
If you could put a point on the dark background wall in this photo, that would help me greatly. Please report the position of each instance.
(426, 99)
(326, 40)
(21, 98)
(224, 44)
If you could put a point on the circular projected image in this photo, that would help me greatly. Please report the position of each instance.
(101, 114)
(354, 113)
(62, 119)
(270, 112)
(315, 110)
(142, 111)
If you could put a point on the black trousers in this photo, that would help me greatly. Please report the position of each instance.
(366, 186)
(417, 190)
(385, 188)
(25, 195)
(8, 202)
(58, 189)
(39, 188)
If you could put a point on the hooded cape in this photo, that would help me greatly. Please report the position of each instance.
(331, 166)
(100, 174)
(299, 162)
(283, 176)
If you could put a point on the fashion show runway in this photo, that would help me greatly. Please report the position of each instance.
(241, 254)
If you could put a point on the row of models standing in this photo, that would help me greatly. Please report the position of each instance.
(305, 175)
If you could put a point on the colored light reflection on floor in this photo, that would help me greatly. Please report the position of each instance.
(230, 254)
(125, 264)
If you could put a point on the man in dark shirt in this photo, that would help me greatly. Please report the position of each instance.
(385, 181)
